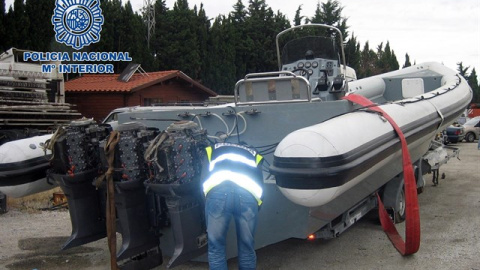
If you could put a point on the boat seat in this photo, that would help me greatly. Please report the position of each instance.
(412, 87)
(272, 89)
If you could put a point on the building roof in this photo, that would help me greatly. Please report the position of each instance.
(110, 82)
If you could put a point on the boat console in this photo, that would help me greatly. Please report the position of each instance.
(310, 70)
(316, 59)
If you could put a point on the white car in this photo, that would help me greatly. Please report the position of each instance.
(472, 129)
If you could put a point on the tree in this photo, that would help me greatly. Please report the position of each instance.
(159, 42)
(368, 62)
(353, 53)
(258, 38)
(387, 61)
(40, 29)
(203, 29)
(135, 38)
(2, 26)
(298, 18)
(407, 61)
(237, 19)
(243, 42)
(215, 52)
(262, 26)
(330, 13)
(462, 70)
(18, 26)
(221, 75)
(239, 13)
(182, 49)
(473, 82)
(471, 79)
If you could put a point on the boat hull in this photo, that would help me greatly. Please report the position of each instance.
(316, 164)
(26, 189)
(329, 156)
(23, 166)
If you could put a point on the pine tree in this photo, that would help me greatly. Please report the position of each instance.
(113, 31)
(407, 61)
(239, 13)
(330, 13)
(368, 62)
(249, 40)
(41, 33)
(135, 38)
(381, 60)
(393, 62)
(298, 18)
(262, 26)
(473, 82)
(159, 42)
(237, 18)
(352, 53)
(221, 75)
(182, 49)
(7, 39)
(281, 23)
(257, 35)
(203, 32)
(110, 34)
(19, 26)
(386, 59)
(2, 26)
(462, 70)
(471, 79)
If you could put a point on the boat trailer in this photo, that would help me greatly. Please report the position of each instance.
(438, 155)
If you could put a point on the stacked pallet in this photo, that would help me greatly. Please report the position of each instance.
(20, 110)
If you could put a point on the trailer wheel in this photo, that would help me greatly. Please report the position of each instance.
(400, 211)
(394, 199)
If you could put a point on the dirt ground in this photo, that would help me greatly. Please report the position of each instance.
(450, 218)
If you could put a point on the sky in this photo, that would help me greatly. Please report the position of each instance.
(444, 31)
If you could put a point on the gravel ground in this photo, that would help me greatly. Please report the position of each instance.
(450, 218)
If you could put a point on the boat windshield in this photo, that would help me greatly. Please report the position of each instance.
(310, 47)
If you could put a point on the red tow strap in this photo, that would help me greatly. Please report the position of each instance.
(412, 219)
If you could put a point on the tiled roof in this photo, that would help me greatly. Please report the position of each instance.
(110, 82)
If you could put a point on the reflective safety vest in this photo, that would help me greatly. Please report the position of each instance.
(235, 163)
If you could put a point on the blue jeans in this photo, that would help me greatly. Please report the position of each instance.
(223, 202)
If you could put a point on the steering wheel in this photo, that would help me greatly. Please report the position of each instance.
(302, 72)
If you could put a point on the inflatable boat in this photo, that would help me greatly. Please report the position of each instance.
(318, 163)
(23, 166)
(326, 157)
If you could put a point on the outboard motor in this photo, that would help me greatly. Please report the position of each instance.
(132, 203)
(175, 157)
(75, 164)
(175, 160)
(156, 183)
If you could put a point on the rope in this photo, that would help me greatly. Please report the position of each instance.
(441, 117)
(412, 221)
(50, 143)
(112, 141)
(152, 149)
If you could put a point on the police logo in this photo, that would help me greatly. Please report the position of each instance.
(77, 23)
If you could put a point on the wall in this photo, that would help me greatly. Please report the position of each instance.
(169, 92)
(96, 105)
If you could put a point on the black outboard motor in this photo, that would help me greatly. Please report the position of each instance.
(75, 164)
(132, 202)
(175, 160)
(156, 182)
